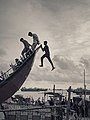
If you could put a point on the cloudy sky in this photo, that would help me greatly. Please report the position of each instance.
(65, 24)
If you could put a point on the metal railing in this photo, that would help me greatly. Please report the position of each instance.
(36, 113)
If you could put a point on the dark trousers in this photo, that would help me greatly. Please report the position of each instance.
(24, 51)
(49, 59)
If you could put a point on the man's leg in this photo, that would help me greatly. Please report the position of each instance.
(42, 60)
(23, 52)
(34, 46)
(49, 59)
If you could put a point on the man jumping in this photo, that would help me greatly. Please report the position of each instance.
(47, 55)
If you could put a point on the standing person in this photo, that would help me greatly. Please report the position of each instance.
(47, 55)
(35, 40)
(26, 47)
(3, 75)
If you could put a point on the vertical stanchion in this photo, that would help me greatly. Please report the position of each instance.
(84, 94)
(68, 104)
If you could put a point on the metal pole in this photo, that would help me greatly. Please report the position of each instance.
(84, 93)
(54, 102)
(68, 104)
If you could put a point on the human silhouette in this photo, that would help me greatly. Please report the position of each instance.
(35, 39)
(18, 62)
(26, 47)
(47, 55)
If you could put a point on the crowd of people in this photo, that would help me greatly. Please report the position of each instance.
(78, 107)
(27, 101)
(27, 52)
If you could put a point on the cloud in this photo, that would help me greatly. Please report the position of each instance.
(64, 23)
(66, 71)
(2, 52)
(85, 62)
(3, 65)
(65, 63)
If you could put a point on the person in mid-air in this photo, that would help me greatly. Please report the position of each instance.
(47, 55)
(26, 47)
(35, 40)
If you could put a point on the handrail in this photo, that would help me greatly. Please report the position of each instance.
(33, 108)
(6, 73)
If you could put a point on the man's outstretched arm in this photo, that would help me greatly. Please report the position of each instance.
(42, 48)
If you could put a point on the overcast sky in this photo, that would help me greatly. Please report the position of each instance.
(65, 24)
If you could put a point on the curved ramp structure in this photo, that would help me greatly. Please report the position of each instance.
(12, 84)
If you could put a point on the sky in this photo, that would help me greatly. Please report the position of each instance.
(65, 24)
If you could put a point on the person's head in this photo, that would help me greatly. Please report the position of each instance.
(45, 42)
(16, 60)
(30, 34)
(21, 39)
(51, 98)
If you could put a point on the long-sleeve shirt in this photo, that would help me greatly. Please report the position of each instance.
(46, 49)
(35, 39)
(26, 44)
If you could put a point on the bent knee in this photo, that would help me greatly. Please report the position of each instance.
(42, 57)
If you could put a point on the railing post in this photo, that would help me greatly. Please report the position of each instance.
(68, 104)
